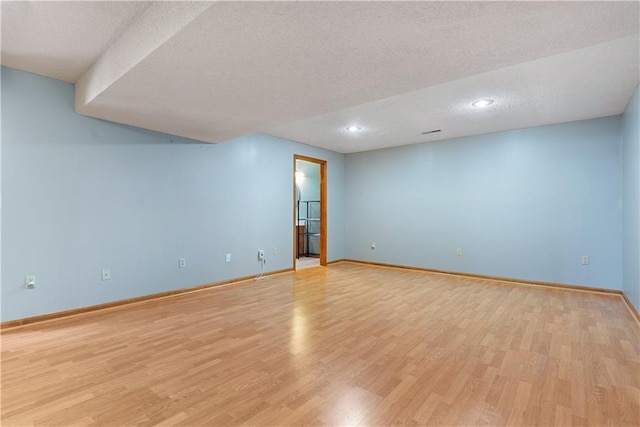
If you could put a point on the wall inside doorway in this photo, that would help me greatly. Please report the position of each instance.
(309, 185)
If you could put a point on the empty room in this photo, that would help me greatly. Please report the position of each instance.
(320, 213)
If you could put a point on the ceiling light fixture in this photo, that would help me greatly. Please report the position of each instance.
(481, 103)
(354, 129)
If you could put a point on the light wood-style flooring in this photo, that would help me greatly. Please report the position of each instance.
(344, 345)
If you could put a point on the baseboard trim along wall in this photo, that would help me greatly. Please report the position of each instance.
(137, 300)
(630, 306)
(148, 298)
(633, 310)
(495, 278)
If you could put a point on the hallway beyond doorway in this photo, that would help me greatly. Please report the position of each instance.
(306, 261)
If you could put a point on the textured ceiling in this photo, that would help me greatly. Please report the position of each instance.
(596, 81)
(62, 39)
(306, 70)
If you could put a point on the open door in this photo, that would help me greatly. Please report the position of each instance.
(309, 214)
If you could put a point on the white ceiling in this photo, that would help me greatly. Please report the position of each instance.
(307, 70)
(62, 40)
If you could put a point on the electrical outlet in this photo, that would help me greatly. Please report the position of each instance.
(30, 282)
(106, 274)
(182, 263)
(584, 260)
(260, 254)
(275, 250)
(227, 257)
(459, 252)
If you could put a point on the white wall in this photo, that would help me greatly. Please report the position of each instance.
(80, 194)
(631, 199)
(523, 204)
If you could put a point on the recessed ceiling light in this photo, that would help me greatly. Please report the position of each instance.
(354, 129)
(481, 103)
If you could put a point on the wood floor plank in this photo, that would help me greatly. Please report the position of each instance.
(350, 344)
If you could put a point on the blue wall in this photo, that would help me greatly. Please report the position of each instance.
(80, 195)
(631, 200)
(522, 204)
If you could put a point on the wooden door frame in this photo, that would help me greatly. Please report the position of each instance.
(323, 208)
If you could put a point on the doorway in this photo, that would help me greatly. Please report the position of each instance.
(309, 212)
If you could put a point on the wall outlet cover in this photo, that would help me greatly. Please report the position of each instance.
(30, 281)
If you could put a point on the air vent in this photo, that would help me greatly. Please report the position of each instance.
(431, 131)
